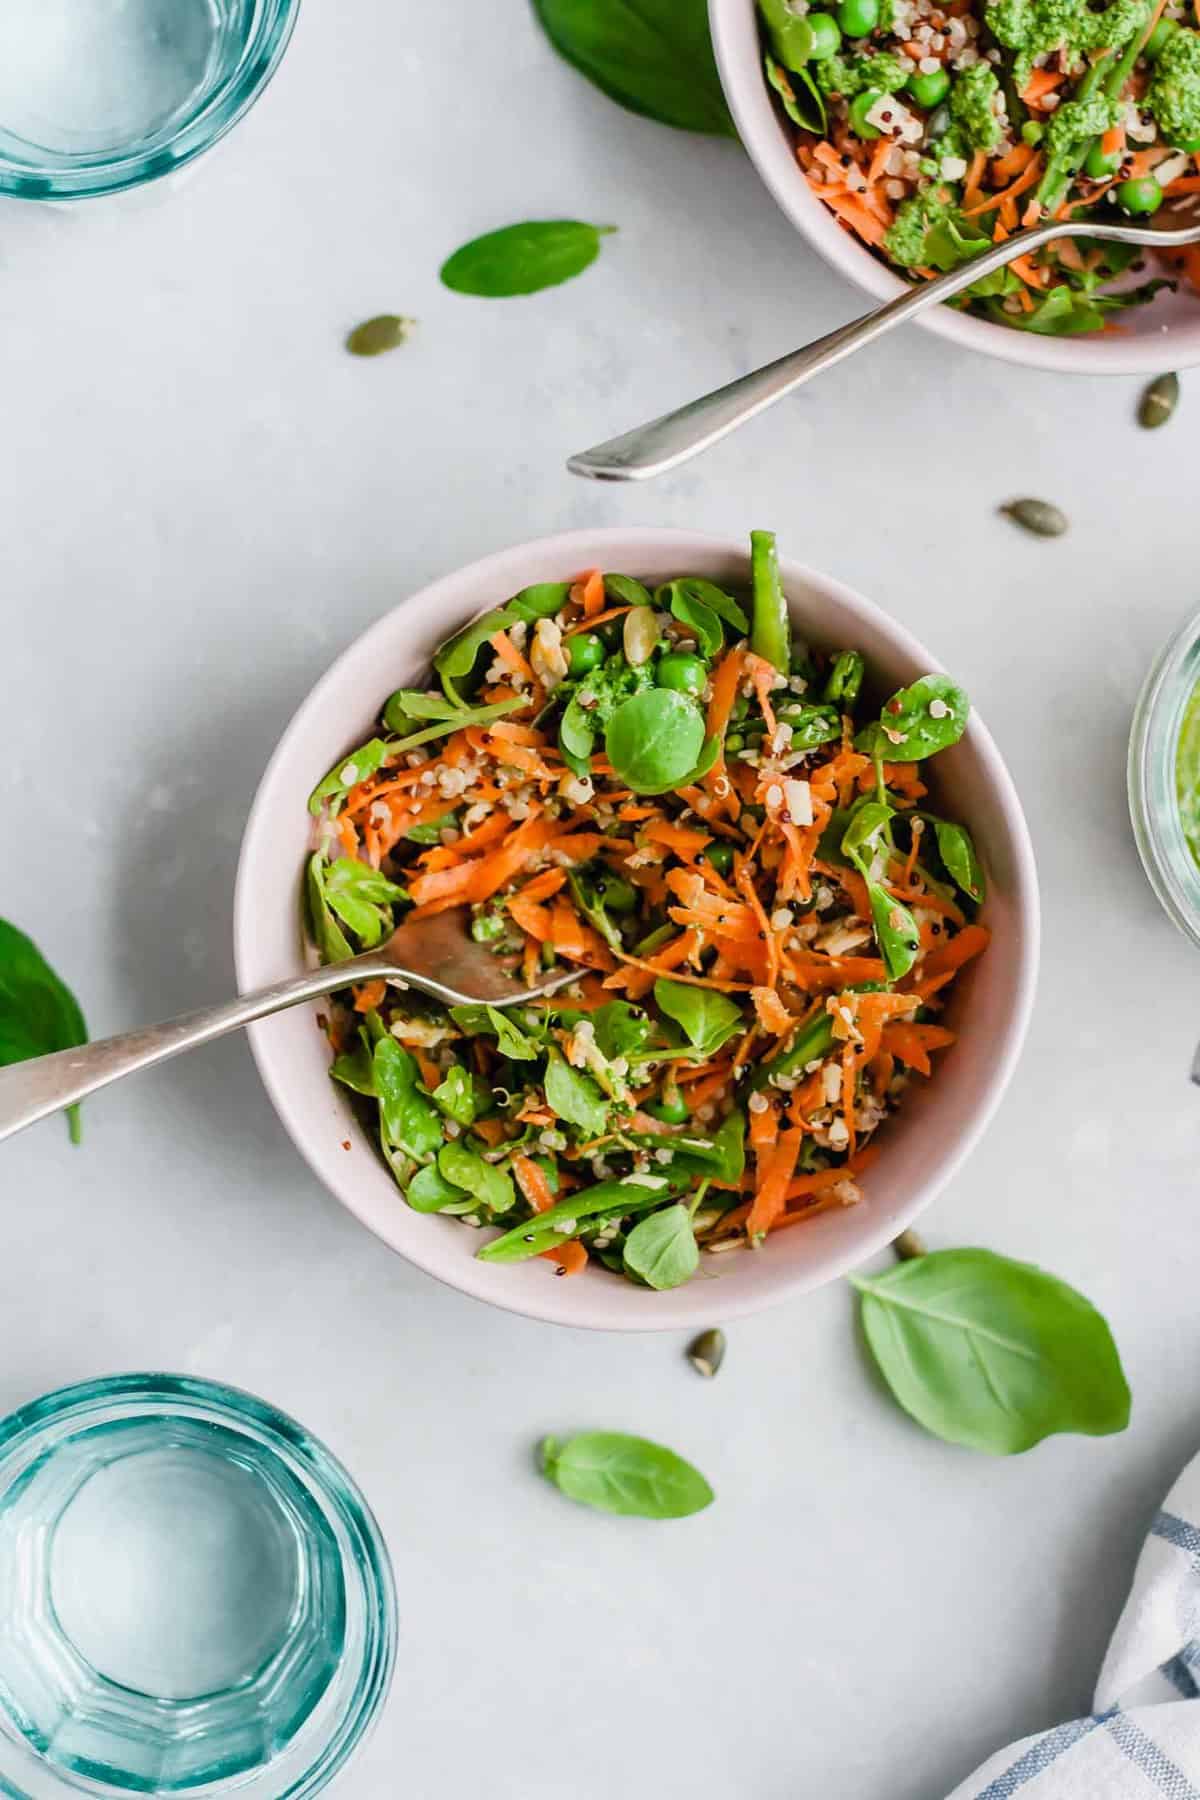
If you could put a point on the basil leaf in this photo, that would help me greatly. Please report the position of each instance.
(682, 600)
(523, 259)
(467, 1170)
(724, 1159)
(430, 1192)
(627, 1475)
(407, 704)
(360, 765)
(992, 1353)
(707, 1019)
(802, 99)
(621, 1029)
(652, 56)
(661, 1250)
(356, 1069)
(908, 730)
(328, 935)
(513, 1042)
(895, 931)
(863, 837)
(957, 851)
(38, 1012)
(623, 590)
(409, 1121)
(361, 897)
(456, 658)
(574, 1096)
(654, 740)
(456, 1096)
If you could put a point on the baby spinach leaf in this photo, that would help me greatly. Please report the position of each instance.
(895, 931)
(918, 721)
(409, 704)
(469, 1171)
(991, 1353)
(722, 1159)
(629, 1475)
(710, 749)
(621, 1029)
(707, 1019)
(689, 601)
(455, 660)
(661, 1249)
(514, 1043)
(652, 56)
(801, 98)
(623, 590)
(409, 1121)
(430, 1192)
(863, 837)
(38, 1012)
(360, 765)
(957, 851)
(654, 740)
(574, 1096)
(356, 1069)
(328, 935)
(361, 897)
(523, 259)
(456, 1095)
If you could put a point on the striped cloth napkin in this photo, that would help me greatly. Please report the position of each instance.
(1143, 1739)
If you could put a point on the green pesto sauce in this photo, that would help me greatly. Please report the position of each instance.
(1187, 772)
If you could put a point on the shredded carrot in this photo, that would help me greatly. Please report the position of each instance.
(532, 1183)
(369, 995)
(1029, 177)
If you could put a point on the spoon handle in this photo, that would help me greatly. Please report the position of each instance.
(665, 442)
(30, 1090)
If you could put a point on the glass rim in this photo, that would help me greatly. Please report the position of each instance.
(92, 177)
(365, 1555)
(1166, 855)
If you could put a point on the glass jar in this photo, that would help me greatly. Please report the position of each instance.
(194, 1597)
(1154, 801)
(97, 97)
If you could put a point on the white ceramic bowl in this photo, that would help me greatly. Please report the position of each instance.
(1164, 335)
(920, 1148)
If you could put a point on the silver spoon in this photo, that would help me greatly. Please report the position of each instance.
(435, 955)
(664, 443)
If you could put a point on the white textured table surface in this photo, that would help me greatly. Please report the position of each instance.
(203, 500)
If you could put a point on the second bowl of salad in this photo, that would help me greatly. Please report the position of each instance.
(904, 136)
(764, 832)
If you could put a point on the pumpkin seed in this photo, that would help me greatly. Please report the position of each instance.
(640, 635)
(372, 338)
(1037, 516)
(707, 1352)
(1159, 402)
(908, 1246)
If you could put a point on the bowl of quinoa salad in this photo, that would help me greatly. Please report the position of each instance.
(653, 1099)
(904, 136)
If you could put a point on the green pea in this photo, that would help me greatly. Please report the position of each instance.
(1032, 132)
(860, 106)
(720, 856)
(1143, 196)
(683, 672)
(585, 651)
(618, 895)
(734, 741)
(1166, 28)
(826, 38)
(929, 90)
(672, 1109)
(1098, 165)
(858, 18)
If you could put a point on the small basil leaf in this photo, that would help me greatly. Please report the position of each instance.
(360, 765)
(628, 1475)
(957, 851)
(652, 56)
(38, 1012)
(661, 1250)
(681, 600)
(895, 931)
(654, 740)
(430, 1192)
(327, 934)
(707, 1019)
(920, 720)
(574, 1096)
(724, 1159)
(407, 704)
(469, 1171)
(356, 1069)
(523, 259)
(993, 1354)
(455, 1095)
(409, 1121)
(623, 590)
(863, 837)
(576, 737)
(621, 1029)
(455, 660)
(513, 1042)
(360, 896)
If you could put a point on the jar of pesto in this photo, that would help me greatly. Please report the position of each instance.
(1164, 778)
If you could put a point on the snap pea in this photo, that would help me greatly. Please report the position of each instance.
(845, 679)
(809, 1045)
(609, 1200)
(770, 632)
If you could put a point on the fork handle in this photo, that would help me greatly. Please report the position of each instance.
(673, 438)
(31, 1090)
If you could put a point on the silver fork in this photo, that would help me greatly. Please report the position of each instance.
(665, 442)
(436, 956)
